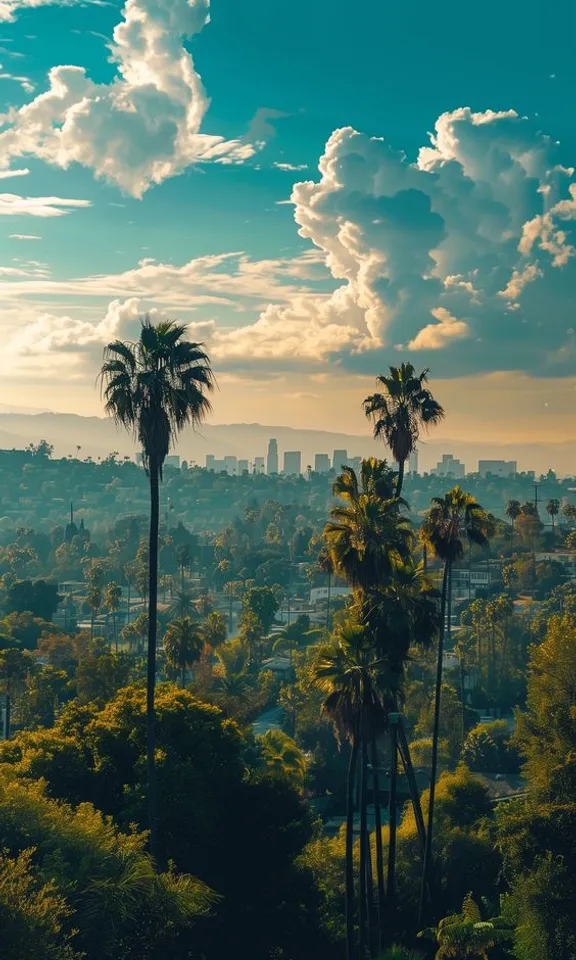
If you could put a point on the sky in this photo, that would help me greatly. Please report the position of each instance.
(319, 190)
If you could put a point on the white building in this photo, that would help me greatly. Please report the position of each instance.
(292, 463)
(320, 594)
(272, 457)
(413, 462)
(497, 468)
(339, 460)
(322, 463)
(449, 466)
(242, 467)
(259, 465)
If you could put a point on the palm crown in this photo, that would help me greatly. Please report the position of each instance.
(453, 519)
(155, 386)
(366, 534)
(402, 408)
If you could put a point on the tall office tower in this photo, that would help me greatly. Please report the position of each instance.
(210, 459)
(292, 463)
(321, 463)
(339, 460)
(413, 462)
(272, 458)
(259, 464)
(231, 465)
(242, 467)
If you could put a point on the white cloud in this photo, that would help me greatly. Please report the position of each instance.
(25, 82)
(518, 281)
(222, 280)
(142, 127)
(13, 205)
(6, 174)
(24, 236)
(290, 167)
(435, 336)
(9, 8)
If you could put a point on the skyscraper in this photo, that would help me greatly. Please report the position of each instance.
(259, 464)
(272, 458)
(413, 462)
(322, 463)
(292, 463)
(242, 467)
(339, 460)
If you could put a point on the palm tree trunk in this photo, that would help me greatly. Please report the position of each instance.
(350, 951)
(115, 631)
(151, 664)
(364, 935)
(427, 867)
(400, 480)
(379, 849)
(391, 878)
(412, 785)
(129, 602)
(328, 600)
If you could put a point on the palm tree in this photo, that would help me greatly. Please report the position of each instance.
(513, 511)
(466, 935)
(553, 509)
(346, 672)
(367, 533)
(154, 388)
(399, 412)
(451, 521)
(94, 599)
(282, 757)
(324, 563)
(183, 644)
(112, 597)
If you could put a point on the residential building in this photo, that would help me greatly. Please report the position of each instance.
(272, 458)
(339, 460)
(497, 468)
(322, 463)
(292, 463)
(449, 466)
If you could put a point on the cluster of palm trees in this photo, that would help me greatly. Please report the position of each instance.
(360, 670)
(157, 385)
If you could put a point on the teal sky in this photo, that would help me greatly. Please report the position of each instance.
(164, 155)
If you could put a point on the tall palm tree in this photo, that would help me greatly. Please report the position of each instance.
(154, 387)
(400, 410)
(513, 511)
(183, 644)
(553, 509)
(452, 520)
(347, 673)
(112, 597)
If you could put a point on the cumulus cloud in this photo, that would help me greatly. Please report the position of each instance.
(434, 253)
(435, 336)
(12, 205)
(142, 127)
(464, 254)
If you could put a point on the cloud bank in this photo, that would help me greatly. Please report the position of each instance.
(463, 259)
(141, 128)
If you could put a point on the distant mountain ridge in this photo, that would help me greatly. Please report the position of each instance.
(98, 436)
